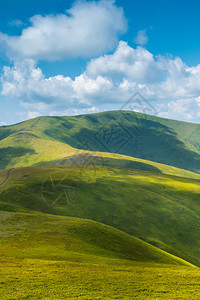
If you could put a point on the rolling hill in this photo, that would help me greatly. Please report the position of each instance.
(82, 259)
(132, 134)
(23, 149)
(59, 140)
(79, 236)
(151, 206)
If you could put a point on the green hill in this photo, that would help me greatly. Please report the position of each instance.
(129, 133)
(162, 210)
(59, 236)
(29, 147)
(82, 259)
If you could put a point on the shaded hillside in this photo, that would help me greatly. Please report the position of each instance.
(22, 149)
(165, 141)
(162, 210)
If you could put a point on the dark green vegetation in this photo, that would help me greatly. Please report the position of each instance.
(78, 223)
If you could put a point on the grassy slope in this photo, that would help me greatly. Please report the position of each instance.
(147, 137)
(154, 207)
(64, 238)
(24, 149)
(70, 258)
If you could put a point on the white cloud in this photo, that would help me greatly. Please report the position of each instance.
(141, 38)
(86, 30)
(107, 83)
(133, 64)
(33, 114)
(182, 109)
(26, 82)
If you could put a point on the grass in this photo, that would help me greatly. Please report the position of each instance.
(152, 207)
(45, 279)
(70, 258)
(65, 238)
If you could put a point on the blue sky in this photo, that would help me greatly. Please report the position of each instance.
(97, 55)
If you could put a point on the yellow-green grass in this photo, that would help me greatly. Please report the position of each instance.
(106, 280)
(44, 279)
(66, 238)
(160, 209)
(54, 257)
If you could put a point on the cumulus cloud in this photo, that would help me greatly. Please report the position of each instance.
(27, 83)
(108, 82)
(125, 62)
(86, 30)
(141, 38)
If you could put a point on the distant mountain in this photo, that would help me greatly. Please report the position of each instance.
(128, 133)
